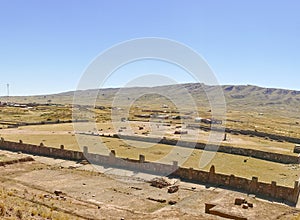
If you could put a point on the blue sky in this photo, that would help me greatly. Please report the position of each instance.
(46, 45)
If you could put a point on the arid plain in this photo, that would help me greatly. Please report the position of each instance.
(99, 193)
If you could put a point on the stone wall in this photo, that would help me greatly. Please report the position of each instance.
(269, 156)
(252, 186)
(275, 137)
(41, 150)
(50, 122)
(284, 194)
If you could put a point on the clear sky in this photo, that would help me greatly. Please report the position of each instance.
(45, 45)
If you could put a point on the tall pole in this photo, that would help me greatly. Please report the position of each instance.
(7, 91)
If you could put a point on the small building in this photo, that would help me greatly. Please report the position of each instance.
(206, 121)
(198, 120)
(211, 121)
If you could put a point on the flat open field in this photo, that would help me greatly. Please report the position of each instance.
(56, 135)
(64, 134)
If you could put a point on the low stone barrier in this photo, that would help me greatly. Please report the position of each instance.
(258, 154)
(21, 160)
(272, 190)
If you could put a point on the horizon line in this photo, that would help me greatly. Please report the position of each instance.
(137, 86)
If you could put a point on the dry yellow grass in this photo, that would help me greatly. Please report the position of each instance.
(55, 135)
(271, 120)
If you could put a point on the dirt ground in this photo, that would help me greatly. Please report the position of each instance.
(84, 192)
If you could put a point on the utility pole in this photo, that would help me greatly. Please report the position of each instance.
(7, 85)
(7, 90)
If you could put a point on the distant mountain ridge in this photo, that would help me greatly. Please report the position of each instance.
(234, 94)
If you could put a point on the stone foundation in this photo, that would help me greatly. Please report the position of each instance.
(253, 186)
